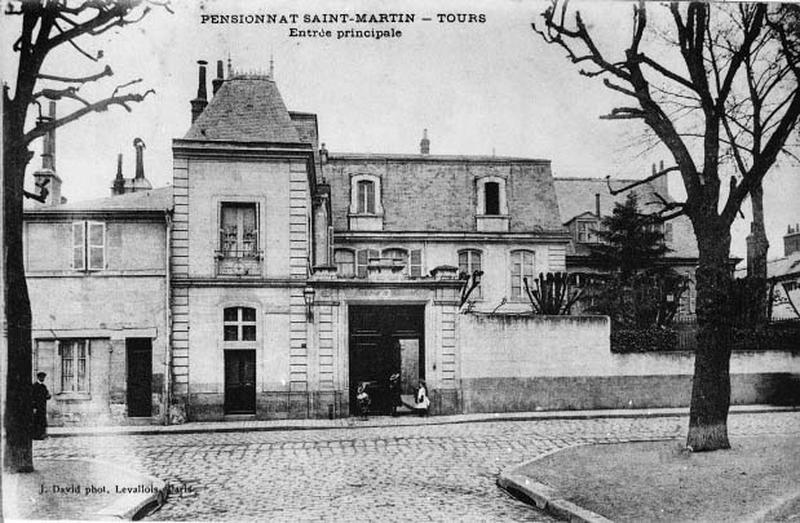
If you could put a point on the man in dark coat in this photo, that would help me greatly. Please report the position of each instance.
(40, 396)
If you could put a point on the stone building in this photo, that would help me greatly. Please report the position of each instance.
(274, 276)
(97, 278)
(298, 273)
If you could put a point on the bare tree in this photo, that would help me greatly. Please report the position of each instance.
(725, 102)
(45, 25)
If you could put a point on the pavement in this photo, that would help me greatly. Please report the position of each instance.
(80, 489)
(397, 469)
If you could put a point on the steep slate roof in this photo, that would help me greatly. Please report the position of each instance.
(576, 196)
(153, 200)
(246, 108)
(437, 192)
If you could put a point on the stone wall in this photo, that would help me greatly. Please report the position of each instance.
(525, 363)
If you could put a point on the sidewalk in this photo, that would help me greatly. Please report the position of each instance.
(758, 479)
(386, 421)
(77, 489)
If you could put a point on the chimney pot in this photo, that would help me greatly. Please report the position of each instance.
(138, 144)
(425, 144)
(216, 83)
(200, 103)
(597, 204)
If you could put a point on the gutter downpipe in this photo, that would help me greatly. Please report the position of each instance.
(168, 318)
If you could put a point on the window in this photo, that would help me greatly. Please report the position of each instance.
(363, 256)
(492, 198)
(521, 267)
(366, 197)
(74, 356)
(469, 262)
(586, 232)
(88, 246)
(345, 263)
(411, 260)
(239, 324)
(239, 230)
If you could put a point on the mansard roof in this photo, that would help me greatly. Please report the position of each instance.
(247, 108)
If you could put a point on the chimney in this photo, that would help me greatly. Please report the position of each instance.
(138, 144)
(216, 83)
(597, 204)
(119, 181)
(200, 103)
(791, 241)
(46, 179)
(424, 144)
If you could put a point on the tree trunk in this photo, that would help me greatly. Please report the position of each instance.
(18, 449)
(711, 386)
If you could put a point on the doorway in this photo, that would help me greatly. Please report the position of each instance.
(240, 382)
(384, 340)
(140, 376)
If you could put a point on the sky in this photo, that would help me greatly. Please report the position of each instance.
(491, 87)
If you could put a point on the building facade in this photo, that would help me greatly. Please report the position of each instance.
(274, 277)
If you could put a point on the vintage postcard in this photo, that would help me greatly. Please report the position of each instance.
(366, 260)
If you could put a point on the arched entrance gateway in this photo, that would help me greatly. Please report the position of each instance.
(385, 340)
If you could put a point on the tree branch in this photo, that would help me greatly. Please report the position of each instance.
(637, 183)
(91, 78)
(43, 128)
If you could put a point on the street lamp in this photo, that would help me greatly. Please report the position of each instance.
(308, 298)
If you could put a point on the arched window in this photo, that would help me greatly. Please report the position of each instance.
(492, 196)
(521, 267)
(239, 324)
(345, 261)
(492, 199)
(469, 261)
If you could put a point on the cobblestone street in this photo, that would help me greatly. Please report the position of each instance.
(434, 472)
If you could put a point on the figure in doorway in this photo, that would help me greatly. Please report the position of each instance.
(395, 392)
(40, 395)
(422, 400)
(363, 400)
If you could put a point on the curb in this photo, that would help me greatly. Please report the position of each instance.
(544, 497)
(489, 418)
(133, 506)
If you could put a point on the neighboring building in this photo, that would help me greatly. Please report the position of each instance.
(97, 278)
(583, 203)
(784, 277)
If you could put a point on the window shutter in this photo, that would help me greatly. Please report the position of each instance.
(78, 246)
(415, 265)
(362, 258)
(97, 245)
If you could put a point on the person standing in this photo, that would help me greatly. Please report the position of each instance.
(40, 396)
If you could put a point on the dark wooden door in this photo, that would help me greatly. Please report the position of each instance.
(140, 376)
(377, 335)
(240, 382)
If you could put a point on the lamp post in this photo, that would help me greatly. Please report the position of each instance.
(308, 298)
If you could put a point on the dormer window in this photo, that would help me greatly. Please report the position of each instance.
(366, 210)
(492, 204)
(365, 203)
(586, 232)
(492, 198)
